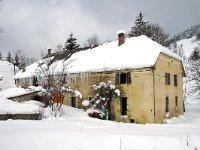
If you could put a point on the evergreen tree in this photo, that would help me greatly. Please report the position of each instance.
(1, 56)
(17, 60)
(71, 44)
(195, 55)
(153, 31)
(9, 58)
(140, 26)
(198, 36)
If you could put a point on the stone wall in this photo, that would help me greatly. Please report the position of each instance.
(25, 97)
(21, 116)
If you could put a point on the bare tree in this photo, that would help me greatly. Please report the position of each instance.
(20, 58)
(54, 78)
(92, 41)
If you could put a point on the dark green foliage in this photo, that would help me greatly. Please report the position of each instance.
(195, 55)
(140, 27)
(71, 44)
(153, 31)
(198, 36)
(9, 58)
(1, 57)
(186, 34)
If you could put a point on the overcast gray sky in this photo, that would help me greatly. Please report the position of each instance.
(33, 25)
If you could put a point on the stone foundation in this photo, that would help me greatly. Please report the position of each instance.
(21, 116)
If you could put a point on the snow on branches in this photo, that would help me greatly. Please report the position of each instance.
(100, 102)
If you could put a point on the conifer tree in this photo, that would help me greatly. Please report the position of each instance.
(153, 31)
(9, 58)
(17, 60)
(140, 26)
(71, 44)
(1, 56)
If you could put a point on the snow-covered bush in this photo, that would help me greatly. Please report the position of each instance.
(98, 106)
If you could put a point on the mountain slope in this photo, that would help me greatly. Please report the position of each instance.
(186, 34)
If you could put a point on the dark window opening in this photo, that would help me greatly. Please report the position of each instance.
(175, 80)
(167, 78)
(123, 106)
(176, 101)
(73, 102)
(132, 120)
(123, 78)
(167, 104)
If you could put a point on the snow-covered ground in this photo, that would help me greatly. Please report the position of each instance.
(76, 131)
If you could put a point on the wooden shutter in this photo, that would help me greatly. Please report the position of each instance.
(116, 78)
(128, 78)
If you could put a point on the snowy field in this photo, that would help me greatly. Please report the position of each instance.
(76, 131)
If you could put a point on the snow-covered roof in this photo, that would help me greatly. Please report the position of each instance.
(121, 31)
(136, 52)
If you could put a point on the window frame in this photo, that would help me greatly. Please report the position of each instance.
(166, 104)
(73, 102)
(167, 78)
(175, 80)
(176, 101)
(123, 106)
(126, 76)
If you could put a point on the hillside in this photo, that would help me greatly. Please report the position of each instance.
(187, 34)
(6, 72)
(188, 45)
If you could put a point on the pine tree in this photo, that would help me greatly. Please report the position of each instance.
(153, 31)
(17, 60)
(1, 56)
(195, 55)
(9, 58)
(140, 26)
(71, 44)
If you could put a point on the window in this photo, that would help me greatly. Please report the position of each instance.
(167, 78)
(123, 106)
(167, 104)
(176, 101)
(123, 78)
(175, 80)
(73, 101)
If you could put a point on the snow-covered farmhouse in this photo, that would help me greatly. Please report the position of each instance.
(149, 76)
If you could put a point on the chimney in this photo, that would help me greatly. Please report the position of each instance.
(121, 37)
(49, 51)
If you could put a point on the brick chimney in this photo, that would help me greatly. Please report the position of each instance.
(121, 37)
(49, 51)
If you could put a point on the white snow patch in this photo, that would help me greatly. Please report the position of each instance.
(136, 52)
